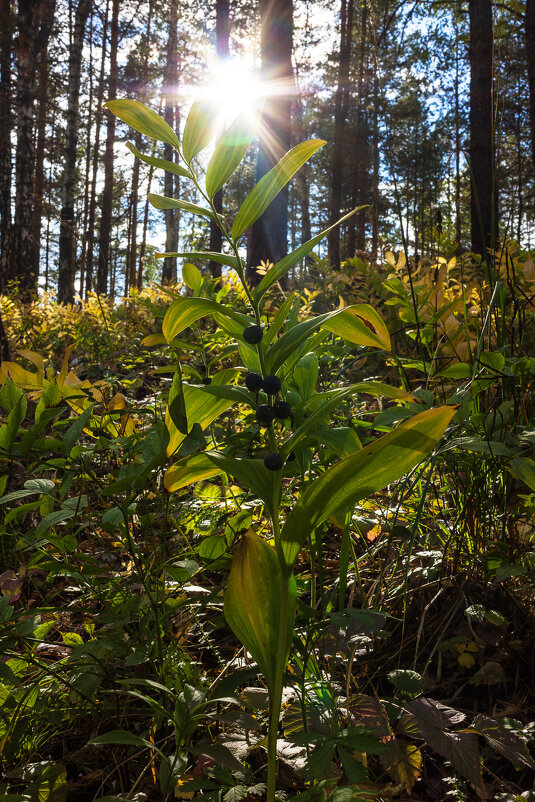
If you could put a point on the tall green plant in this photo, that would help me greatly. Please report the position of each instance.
(260, 600)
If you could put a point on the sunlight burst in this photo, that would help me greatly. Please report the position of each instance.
(234, 90)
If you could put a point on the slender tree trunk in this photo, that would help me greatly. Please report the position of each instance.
(375, 171)
(6, 125)
(530, 53)
(483, 206)
(169, 271)
(143, 245)
(22, 258)
(458, 233)
(131, 258)
(269, 234)
(42, 97)
(303, 182)
(222, 29)
(96, 158)
(88, 153)
(67, 239)
(340, 115)
(360, 183)
(107, 193)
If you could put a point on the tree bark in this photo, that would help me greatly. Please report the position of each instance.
(360, 183)
(483, 206)
(6, 125)
(172, 218)
(107, 193)
(222, 32)
(268, 240)
(90, 232)
(530, 53)
(340, 115)
(67, 239)
(23, 257)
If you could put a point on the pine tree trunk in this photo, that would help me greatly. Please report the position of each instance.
(107, 192)
(222, 28)
(169, 271)
(6, 125)
(67, 239)
(340, 115)
(42, 98)
(268, 239)
(530, 53)
(90, 235)
(483, 207)
(360, 182)
(23, 257)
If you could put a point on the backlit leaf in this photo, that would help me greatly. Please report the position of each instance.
(185, 311)
(144, 120)
(271, 184)
(162, 164)
(228, 154)
(162, 203)
(362, 474)
(254, 602)
(199, 129)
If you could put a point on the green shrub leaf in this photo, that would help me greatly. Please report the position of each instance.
(271, 184)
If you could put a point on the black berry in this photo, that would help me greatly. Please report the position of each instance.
(282, 410)
(264, 414)
(253, 334)
(273, 462)
(253, 382)
(271, 385)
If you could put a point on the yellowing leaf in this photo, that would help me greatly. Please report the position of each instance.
(257, 604)
(403, 761)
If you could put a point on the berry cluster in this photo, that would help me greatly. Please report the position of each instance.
(267, 413)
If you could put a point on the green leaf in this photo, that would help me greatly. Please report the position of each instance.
(253, 474)
(332, 399)
(9, 430)
(305, 375)
(220, 258)
(280, 269)
(144, 120)
(271, 184)
(362, 474)
(228, 154)
(199, 129)
(524, 469)
(185, 311)
(409, 683)
(162, 203)
(256, 590)
(75, 429)
(176, 405)
(360, 324)
(192, 277)
(163, 164)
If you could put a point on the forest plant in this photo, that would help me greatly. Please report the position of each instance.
(260, 600)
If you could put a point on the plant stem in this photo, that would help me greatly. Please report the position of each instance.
(275, 695)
